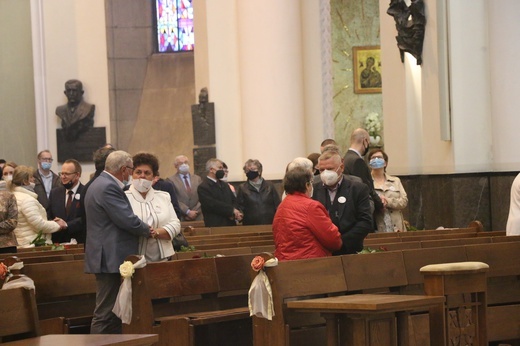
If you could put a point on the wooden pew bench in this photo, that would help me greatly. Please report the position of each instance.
(194, 302)
(18, 314)
(372, 317)
(65, 295)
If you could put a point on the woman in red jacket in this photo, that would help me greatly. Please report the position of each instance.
(301, 226)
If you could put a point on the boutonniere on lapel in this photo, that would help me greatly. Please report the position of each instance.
(342, 199)
(77, 196)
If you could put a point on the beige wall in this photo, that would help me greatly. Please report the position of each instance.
(17, 111)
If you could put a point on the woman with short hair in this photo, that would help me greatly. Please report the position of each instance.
(153, 207)
(302, 227)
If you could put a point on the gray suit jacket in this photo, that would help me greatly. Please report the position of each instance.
(113, 229)
(187, 200)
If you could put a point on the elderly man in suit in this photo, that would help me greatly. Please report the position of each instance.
(64, 203)
(44, 178)
(113, 232)
(218, 202)
(347, 201)
(185, 186)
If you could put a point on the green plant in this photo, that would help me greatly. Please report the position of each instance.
(367, 249)
(187, 248)
(39, 240)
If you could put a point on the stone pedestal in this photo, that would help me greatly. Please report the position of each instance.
(81, 148)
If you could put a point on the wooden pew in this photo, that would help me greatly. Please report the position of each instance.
(290, 280)
(18, 314)
(207, 301)
(65, 295)
(503, 287)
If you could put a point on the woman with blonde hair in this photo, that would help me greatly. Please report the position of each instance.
(32, 217)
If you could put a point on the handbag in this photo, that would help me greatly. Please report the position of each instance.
(179, 241)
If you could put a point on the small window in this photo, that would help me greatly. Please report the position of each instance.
(174, 22)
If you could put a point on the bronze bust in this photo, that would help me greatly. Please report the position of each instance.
(77, 116)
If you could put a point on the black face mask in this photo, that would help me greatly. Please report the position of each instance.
(220, 174)
(68, 185)
(317, 172)
(366, 150)
(251, 175)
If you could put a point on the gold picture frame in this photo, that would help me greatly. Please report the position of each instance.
(367, 79)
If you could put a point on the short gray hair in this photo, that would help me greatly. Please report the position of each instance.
(116, 160)
(252, 162)
(302, 162)
(212, 162)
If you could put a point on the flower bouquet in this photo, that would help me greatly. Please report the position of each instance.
(373, 127)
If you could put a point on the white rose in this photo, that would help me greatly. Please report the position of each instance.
(126, 269)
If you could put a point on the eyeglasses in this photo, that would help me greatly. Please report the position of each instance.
(46, 160)
(67, 174)
(130, 168)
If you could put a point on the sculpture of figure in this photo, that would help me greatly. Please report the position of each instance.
(410, 22)
(203, 117)
(77, 116)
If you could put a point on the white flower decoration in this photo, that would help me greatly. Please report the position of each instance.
(372, 124)
(126, 269)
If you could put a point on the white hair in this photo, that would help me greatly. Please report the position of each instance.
(302, 162)
(116, 160)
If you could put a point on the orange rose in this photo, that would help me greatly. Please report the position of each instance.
(3, 271)
(258, 263)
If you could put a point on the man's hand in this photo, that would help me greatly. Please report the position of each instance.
(192, 215)
(238, 215)
(61, 222)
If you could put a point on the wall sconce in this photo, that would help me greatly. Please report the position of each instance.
(410, 23)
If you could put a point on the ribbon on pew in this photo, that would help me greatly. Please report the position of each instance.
(15, 281)
(260, 295)
(123, 306)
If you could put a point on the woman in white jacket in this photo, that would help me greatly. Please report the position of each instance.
(153, 207)
(32, 217)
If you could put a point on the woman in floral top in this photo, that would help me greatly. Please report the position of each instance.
(8, 222)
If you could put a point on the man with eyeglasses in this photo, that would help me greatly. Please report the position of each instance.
(64, 203)
(45, 180)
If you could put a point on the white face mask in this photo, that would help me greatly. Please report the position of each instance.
(142, 185)
(223, 179)
(8, 177)
(329, 177)
(184, 168)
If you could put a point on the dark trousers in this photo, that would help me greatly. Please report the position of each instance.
(104, 320)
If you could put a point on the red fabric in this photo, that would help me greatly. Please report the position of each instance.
(302, 229)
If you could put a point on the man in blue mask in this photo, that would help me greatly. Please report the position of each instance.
(45, 180)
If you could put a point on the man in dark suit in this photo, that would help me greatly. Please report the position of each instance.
(218, 202)
(185, 185)
(64, 203)
(44, 179)
(355, 165)
(113, 232)
(347, 201)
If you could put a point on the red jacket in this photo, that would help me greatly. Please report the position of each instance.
(302, 229)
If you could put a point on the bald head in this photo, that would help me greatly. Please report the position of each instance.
(358, 136)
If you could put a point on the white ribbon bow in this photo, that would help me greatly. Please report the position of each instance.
(123, 306)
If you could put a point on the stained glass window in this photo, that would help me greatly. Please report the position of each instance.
(174, 25)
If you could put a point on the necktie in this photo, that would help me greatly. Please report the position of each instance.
(187, 183)
(69, 201)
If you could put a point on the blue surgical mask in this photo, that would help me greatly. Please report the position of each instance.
(46, 165)
(377, 162)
